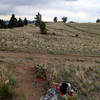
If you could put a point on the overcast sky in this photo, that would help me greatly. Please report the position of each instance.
(75, 10)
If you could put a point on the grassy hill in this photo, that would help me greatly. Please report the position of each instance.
(65, 41)
(70, 51)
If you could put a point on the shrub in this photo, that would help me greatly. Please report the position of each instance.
(98, 21)
(5, 91)
(43, 29)
(55, 19)
(2, 24)
(40, 24)
(38, 19)
(53, 33)
(64, 19)
(67, 97)
(25, 21)
(40, 71)
(12, 22)
(20, 23)
(7, 83)
(76, 35)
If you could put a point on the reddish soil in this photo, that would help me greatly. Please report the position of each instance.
(28, 84)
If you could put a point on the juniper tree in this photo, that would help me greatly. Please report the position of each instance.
(43, 29)
(55, 19)
(38, 19)
(98, 21)
(25, 21)
(64, 19)
(2, 24)
(12, 22)
(41, 24)
(20, 23)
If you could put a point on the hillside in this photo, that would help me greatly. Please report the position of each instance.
(64, 42)
(69, 52)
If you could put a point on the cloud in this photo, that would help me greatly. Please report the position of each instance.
(77, 10)
(5, 9)
(71, 0)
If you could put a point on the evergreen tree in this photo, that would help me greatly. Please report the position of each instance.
(98, 21)
(20, 23)
(64, 19)
(38, 19)
(12, 22)
(55, 19)
(25, 21)
(2, 24)
(43, 29)
(40, 24)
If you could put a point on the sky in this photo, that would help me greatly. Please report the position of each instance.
(75, 10)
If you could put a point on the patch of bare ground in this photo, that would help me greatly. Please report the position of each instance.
(29, 87)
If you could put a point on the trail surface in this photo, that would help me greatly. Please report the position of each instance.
(28, 85)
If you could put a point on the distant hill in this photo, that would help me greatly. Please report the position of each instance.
(29, 21)
(7, 21)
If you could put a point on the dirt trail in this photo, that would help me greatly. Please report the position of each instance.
(33, 58)
(23, 54)
(28, 85)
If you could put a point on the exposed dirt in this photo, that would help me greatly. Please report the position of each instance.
(28, 85)
(43, 56)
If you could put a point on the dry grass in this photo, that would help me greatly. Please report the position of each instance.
(85, 79)
(65, 41)
(82, 72)
(7, 83)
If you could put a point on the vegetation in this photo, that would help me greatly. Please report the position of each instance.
(5, 91)
(53, 44)
(12, 22)
(38, 19)
(81, 77)
(40, 71)
(41, 24)
(20, 23)
(7, 84)
(80, 42)
(25, 21)
(64, 19)
(98, 21)
(2, 24)
(43, 29)
(55, 19)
